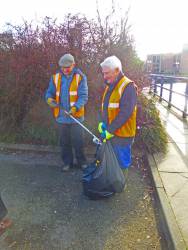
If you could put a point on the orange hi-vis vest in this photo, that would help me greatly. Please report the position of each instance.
(73, 93)
(128, 129)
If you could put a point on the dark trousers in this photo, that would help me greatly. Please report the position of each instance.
(3, 210)
(71, 137)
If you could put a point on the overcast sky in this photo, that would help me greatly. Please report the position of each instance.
(158, 26)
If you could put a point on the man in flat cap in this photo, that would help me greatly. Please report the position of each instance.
(68, 90)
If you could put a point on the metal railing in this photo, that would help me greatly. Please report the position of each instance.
(159, 81)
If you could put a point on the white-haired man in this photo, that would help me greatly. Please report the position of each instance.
(118, 111)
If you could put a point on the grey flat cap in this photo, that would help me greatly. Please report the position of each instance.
(66, 60)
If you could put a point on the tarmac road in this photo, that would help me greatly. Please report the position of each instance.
(50, 212)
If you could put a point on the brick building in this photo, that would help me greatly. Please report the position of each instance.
(168, 63)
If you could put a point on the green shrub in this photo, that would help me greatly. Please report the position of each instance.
(151, 134)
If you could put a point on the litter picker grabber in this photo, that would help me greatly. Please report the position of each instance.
(96, 140)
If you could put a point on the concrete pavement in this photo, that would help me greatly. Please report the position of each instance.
(170, 175)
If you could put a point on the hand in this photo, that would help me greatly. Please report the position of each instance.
(106, 135)
(73, 110)
(52, 103)
(101, 127)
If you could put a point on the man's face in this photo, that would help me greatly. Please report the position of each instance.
(67, 70)
(110, 75)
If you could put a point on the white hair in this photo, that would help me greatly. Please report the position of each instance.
(112, 62)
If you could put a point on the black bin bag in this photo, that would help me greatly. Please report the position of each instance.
(103, 177)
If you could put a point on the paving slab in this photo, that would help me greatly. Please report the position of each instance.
(177, 129)
(172, 162)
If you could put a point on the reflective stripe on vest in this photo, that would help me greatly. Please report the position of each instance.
(73, 93)
(57, 83)
(113, 105)
(128, 129)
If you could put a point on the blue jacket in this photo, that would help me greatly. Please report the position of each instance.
(64, 98)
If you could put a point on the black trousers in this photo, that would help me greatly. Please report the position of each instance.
(71, 137)
(3, 210)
